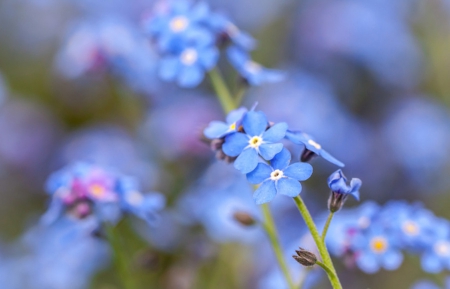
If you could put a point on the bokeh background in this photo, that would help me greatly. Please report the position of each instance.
(370, 79)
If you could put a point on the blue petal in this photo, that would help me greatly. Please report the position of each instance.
(236, 115)
(255, 123)
(215, 129)
(168, 68)
(431, 263)
(276, 132)
(330, 158)
(269, 150)
(199, 11)
(54, 211)
(355, 184)
(265, 193)
(367, 262)
(260, 174)
(208, 57)
(234, 144)
(281, 160)
(246, 161)
(392, 260)
(299, 171)
(244, 40)
(289, 187)
(190, 76)
(237, 57)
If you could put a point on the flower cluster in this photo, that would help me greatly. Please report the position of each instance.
(254, 145)
(189, 38)
(83, 190)
(372, 237)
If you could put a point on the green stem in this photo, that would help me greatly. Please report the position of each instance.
(327, 225)
(269, 226)
(120, 260)
(334, 280)
(223, 94)
(240, 94)
(325, 267)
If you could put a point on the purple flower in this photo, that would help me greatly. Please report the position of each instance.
(279, 177)
(255, 141)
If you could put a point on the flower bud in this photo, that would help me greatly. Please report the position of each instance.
(307, 155)
(304, 257)
(244, 218)
(340, 191)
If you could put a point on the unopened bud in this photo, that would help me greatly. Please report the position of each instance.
(336, 201)
(244, 218)
(307, 155)
(304, 257)
(216, 144)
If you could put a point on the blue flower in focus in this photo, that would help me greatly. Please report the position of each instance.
(255, 141)
(250, 71)
(437, 255)
(189, 64)
(337, 182)
(279, 177)
(219, 129)
(311, 147)
(375, 248)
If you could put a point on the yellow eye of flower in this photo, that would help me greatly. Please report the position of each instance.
(379, 245)
(233, 126)
(189, 56)
(410, 228)
(97, 190)
(255, 142)
(178, 24)
(276, 175)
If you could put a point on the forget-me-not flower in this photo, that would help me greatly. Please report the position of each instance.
(340, 191)
(437, 255)
(279, 177)
(255, 141)
(219, 129)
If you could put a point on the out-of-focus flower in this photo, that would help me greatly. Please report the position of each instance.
(84, 189)
(436, 257)
(279, 177)
(255, 141)
(425, 284)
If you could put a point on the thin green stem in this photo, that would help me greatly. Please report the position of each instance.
(240, 94)
(120, 260)
(325, 267)
(334, 280)
(327, 225)
(227, 101)
(269, 226)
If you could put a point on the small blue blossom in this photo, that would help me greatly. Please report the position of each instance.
(301, 138)
(219, 129)
(437, 255)
(279, 177)
(250, 71)
(337, 182)
(255, 141)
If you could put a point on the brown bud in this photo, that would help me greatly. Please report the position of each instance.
(336, 201)
(307, 155)
(244, 218)
(306, 258)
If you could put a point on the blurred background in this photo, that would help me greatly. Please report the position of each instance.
(370, 79)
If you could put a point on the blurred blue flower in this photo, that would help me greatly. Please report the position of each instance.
(255, 141)
(252, 72)
(219, 129)
(436, 257)
(226, 29)
(425, 284)
(279, 177)
(337, 182)
(301, 138)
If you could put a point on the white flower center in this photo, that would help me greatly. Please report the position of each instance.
(410, 228)
(252, 67)
(314, 144)
(255, 142)
(134, 198)
(276, 175)
(442, 248)
(364, 222)
(178, 24)
(232, 30)
(189, 56)
(379, 245)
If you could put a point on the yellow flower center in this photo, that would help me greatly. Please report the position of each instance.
(189, 56)
(442, 248)
(314, 144)
(255, 142)
(179, 24)
(410, 228)
(134, 198)
(276, 175)
(97, 190)
(378, 245)
(232, 126)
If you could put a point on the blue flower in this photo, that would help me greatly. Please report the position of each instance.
(219, 129)
(255, 141)
(337, 182)
(437, 255)
(374, 248)
(279, 177)
(250, 71)
(188, 66)
(311, 146)
(223, 27)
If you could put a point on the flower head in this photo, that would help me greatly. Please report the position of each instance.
(340, 190)
(254, 141)
(219, 129)
(279, 177)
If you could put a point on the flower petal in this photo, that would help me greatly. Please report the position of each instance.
(190, 76)
(431, 263)
(330, 158)
(392, 260)
(265, 193)
(281, 160)
(276, 132)
(255, 123)
(236, 115)
(208, 57)
(234, 144)
(269, 150)
(215, 129)
(260, 174)
(246, 161)
(168, 68)
(367, 262)
(299, 171)
(288, 187)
